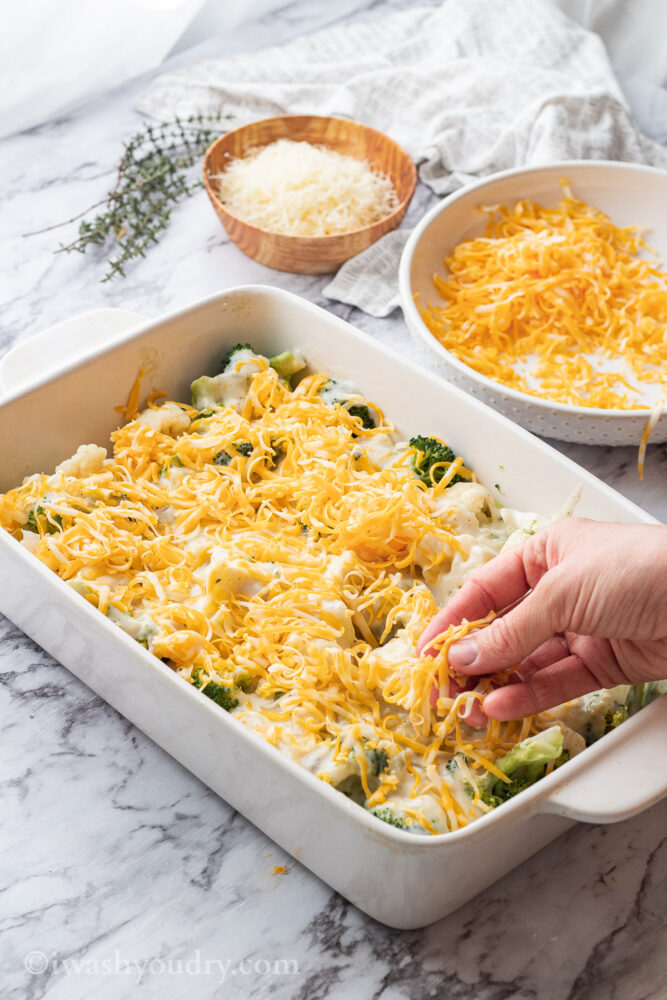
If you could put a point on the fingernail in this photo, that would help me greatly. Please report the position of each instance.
(463, 653)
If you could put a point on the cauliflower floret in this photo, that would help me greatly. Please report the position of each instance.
(30, 540)
(525, 524)
(339, 566)
(405, 813)
(463, 506)
(445, 580)
(338, 766)
(86, 461)
(337, 391)
(394, 650)
(238, 577)
(169, 419)
(380, 449)
(428, 551)
(343, 616)
(573, 742)
(592, 715)
(521, 524)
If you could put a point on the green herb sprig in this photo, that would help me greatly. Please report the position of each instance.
(154, 174)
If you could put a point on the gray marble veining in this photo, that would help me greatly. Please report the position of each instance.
(120, 874)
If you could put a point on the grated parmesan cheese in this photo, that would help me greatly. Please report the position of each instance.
(300, 189)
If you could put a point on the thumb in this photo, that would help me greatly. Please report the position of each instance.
(508, 640)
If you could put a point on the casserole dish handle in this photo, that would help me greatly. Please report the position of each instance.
(623, 774)
(66, 343)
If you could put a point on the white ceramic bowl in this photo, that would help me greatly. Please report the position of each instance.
(628, 193)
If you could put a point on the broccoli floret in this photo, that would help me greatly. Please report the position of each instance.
(31, 523)
(502, 791)
(378, 761)
(196, 677)
(533, 753)
(221, 695)
(362, 413)
(243, 680)
(489, 799)
(50, 528)
(614, 719)
(241, 447)
(229, 356)
(287, 364)
(525, 764)
(387, 816)
(432, 452)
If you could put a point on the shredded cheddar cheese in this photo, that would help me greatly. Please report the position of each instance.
(557, 303)
(649, 427)
(283, 557)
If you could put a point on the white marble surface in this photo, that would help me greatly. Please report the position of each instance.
(116, 860)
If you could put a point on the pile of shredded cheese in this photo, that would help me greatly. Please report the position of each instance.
(300, 189)
(284, 559)
(559, 304)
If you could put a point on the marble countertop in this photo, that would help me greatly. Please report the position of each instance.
(121, 875)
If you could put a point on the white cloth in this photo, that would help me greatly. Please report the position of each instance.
(468, 88)
(54, 56)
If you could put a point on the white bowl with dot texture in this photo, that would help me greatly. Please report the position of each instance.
(630, 194)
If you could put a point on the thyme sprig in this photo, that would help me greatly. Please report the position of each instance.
(154, 174)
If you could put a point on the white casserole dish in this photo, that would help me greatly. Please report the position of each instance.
(404, 880)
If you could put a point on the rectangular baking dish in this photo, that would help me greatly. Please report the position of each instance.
(403, 880)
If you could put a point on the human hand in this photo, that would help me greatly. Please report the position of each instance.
(595, 617)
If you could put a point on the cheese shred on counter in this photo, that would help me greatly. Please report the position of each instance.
(275, 547)
(559, 304)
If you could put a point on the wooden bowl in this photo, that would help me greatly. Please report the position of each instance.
(310, 254)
